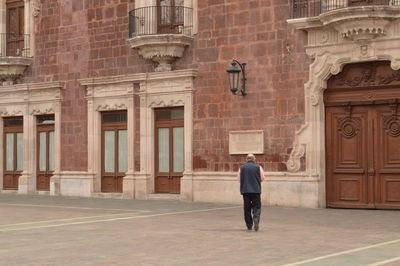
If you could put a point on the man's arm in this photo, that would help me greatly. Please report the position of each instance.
(262, 173)
(238, 175)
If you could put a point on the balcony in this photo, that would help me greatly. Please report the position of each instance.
(353, 20)
(161, 33)
(14, 56)
(313, 8)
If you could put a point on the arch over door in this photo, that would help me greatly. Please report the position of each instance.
(363, 137)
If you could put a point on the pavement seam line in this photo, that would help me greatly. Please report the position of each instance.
(116, 219)
(67, 207)
(69, 219)
(379, 263)
(343, 252)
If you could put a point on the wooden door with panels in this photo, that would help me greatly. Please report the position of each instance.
(169, 149)
(13, 152)
(170, 17)
(45, 162)
(114, 150)
(363, 137)
(15, 27)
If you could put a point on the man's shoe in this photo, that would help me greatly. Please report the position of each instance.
(249, 228)
(256, 222)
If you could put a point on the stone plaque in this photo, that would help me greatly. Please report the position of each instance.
(246, 141)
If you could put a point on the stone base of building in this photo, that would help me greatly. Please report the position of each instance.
(279, 189)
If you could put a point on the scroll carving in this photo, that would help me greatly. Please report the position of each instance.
(42, 111)
(107, 107)
(293, 164)
(161, 103)
(11, 113)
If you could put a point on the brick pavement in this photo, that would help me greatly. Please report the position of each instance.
(42, 230)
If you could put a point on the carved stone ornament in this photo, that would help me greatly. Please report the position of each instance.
(293, 164)
(5, 113)
(161, 48)
(42, 111)
(36, 11)
(12, 67)
(110, 107)
(166, 102)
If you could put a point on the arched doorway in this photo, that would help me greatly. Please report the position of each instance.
(362, 112)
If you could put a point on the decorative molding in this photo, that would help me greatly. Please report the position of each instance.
(13, 112)
(42, 111)
(12, 67)
(110, 107)
(161, 48)
(166, 103)
(293, 164)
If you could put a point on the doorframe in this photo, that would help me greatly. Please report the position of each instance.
(171, 125)
(310, 140)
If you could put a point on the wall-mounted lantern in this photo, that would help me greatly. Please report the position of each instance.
(234, 74)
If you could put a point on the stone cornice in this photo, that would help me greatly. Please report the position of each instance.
(138, 78)
(345, 14)
(33, 86)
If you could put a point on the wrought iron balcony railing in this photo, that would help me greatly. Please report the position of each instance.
(161, 20)
(14, 45)
(313, 8)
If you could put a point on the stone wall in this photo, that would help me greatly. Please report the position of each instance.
(80, 39)
(254, 32)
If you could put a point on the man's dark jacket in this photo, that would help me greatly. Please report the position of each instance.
(250, 179)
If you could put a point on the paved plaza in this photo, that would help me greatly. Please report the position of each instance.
(44, 230)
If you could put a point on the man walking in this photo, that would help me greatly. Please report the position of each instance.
(250, 176)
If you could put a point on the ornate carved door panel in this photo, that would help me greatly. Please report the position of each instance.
(347, 149)
(387, 156)
(363, 137)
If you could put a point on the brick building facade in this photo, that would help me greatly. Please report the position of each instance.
(131, 99)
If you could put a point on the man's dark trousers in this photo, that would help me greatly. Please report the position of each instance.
(252, 202)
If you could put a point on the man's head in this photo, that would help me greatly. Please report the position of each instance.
(251, 157)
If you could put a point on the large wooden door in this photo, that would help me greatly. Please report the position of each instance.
(363, 156)
(13, 153)
(170, 16)
(114, 150)
(363, 137)
(15, 27)
(45, 151)
(169, 143)
(387, 156)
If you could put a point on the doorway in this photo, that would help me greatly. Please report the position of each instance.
(363, 138)
(45, 151)
(13, 152)
(114, 150)
(169, 149)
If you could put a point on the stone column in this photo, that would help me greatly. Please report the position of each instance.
(129, 179)
(55, 180)
(27, 180)
(187, 179)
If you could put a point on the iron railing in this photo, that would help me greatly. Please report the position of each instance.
(160, 20)
(312, 8)
(14, 45)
